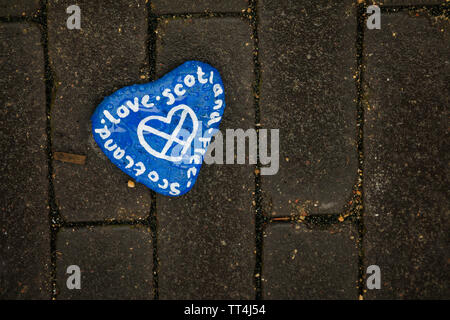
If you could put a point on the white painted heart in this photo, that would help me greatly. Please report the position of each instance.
(171, 138)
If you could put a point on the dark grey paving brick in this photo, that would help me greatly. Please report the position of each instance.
(192, 39)
(19, 8)
(24, 229)
(308, 60)
(299, 263)
(206, 237)
(115, 261)
(108, 52)
(406, 142)
(197, 6)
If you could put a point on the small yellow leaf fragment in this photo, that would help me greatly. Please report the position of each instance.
(294, 254)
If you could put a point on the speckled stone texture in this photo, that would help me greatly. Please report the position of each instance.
(19, 8)
(198, 6)
(209, 232)
(307, 56)
(208, 245)
(115, 262)
(300, 263)
(406, 166)
(109, 52)
(24, 230)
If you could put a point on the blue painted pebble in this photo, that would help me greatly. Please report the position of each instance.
(158, 132)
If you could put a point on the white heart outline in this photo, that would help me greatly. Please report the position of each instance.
(170, 138)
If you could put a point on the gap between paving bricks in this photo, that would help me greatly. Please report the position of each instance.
(20, 19)
(359, 205)
(55, 218)
(202, 15)
(153, 217)
(252, 15)
(433, 9)
(354, 214)
(353, 210)
(40, 19)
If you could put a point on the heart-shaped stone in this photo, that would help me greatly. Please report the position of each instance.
(158, 132)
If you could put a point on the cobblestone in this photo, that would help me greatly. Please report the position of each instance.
(109, 52)
(196, 6)
(24, 228)
(115, 262)
(406, 130)
(300, 263)
(220, 204)
(17, 8)
(363, 129)
(307, 69)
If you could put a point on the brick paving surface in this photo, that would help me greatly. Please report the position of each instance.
(406, 135)
(19, 7)
(117, 262)
(363, 167)
(220, 204)
(198, 6)
(307, 89)
(24, 187)
(300, 263)
(108, 52)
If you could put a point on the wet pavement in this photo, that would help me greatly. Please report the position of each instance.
(363, 166)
